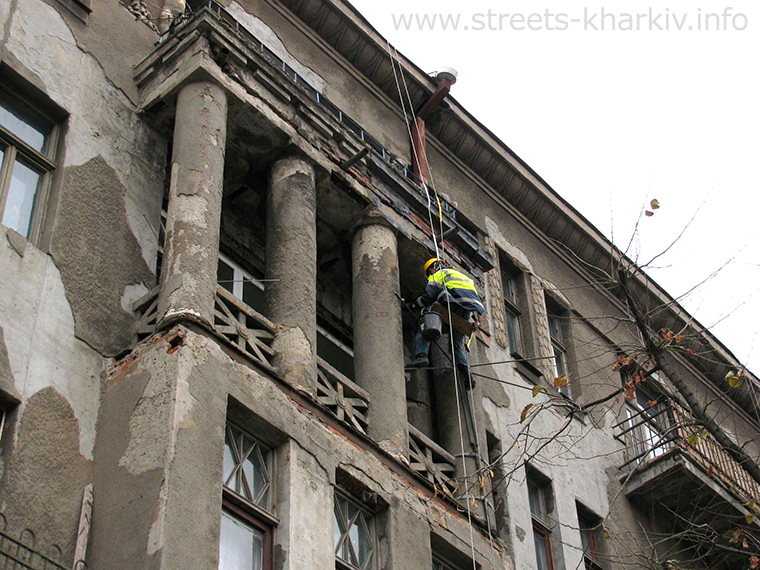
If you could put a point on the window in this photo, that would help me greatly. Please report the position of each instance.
(540, 498)
(247, 520)
(512, 284)
(354, 532)
(649, 421)
(27, 147)
(558, 317)
(335, 349)
(589, 526)
(240, 283)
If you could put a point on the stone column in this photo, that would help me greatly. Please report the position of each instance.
(378, 337)
(450, 418)
(191, 248)
(292, 263)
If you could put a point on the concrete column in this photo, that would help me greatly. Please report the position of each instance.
(378, 337)
(191, 248)
(292, 262)
(451, 418)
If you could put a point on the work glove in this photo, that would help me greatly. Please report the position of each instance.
(422, 302)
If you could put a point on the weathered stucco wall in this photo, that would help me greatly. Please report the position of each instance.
(61, 313)
(159, 467)
(158, 448)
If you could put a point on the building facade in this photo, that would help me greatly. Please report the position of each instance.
(213, 219)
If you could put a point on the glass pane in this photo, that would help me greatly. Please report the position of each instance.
(540, 542)
(560, 367)
(248, 470)
(335, 355)
(225, 275)
(536, 501)
(365, 541)
(585, 540)
(241, 546)
(21, 195)
(555, 327)
(510, 288)
(260, 478)
(353, 536)
(253, 296)
(229, 465)
(35, 135)
(513, 332)
(337, 530)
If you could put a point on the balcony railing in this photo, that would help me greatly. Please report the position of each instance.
(344, 399)
(431, 461)
(249, 331)
(707, 452)
(653, 433)
(147, 308)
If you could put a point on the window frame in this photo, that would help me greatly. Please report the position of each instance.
(541, 526)
(261, 518)
(558, 345)
(647, 430)
(231, 503)
(341, 564)
(16, 150)
(556, 319)
(588, 527)
(513, 293)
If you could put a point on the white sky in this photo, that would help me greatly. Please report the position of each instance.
(612, 118)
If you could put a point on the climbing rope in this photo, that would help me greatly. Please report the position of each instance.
(438, 254)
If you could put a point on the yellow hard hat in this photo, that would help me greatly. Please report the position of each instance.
(428, 263)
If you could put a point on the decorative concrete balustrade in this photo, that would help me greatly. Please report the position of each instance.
(431, 461)
(347, 401)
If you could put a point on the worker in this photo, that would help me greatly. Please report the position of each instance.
(455, 290)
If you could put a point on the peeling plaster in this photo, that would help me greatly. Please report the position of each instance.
(156, 533)
(92, 205)
(132, 293)
(39, 336)
(270, 39)
(102, 119)
(17, 242)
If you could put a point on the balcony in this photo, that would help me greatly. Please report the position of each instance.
(676, 471)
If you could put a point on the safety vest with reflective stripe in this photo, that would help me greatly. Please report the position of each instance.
(460, 288)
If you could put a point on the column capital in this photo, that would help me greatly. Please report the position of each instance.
(371, 216)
